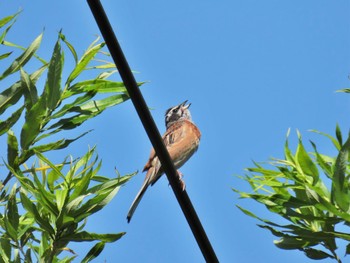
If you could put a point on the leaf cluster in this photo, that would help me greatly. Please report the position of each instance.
(296, 189)
(48, 205)
(56, 206)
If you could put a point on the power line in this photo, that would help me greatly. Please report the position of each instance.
(151, 129)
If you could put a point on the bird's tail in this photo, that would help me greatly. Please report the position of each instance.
(137, 199)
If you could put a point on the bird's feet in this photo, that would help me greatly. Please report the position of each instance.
(182, 182)
(183, 185)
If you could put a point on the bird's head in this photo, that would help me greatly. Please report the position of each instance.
(177, 113)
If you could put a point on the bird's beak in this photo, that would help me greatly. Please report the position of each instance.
(184, 104)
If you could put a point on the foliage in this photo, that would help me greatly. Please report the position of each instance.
(48, 205)
(296, 189)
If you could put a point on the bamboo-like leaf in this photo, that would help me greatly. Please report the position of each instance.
(316, 254)
(12, 217)
(347, 252)
(23, 58)
(9, 122)
(306, 164)
(69, 107)
(45, 198)
(94, 252)
(346, 90)
(10, 96)
(37, 74)
(30, 91)
(326, 167)
(84, 61)
(338, 134)
(5, 55)
(52, 91)
(61, 198)
(288, 154)
(88, 111)
(290, 243)
(5, 250)
(30, 207)
(58, 145)
(10, 44)
(54, 175)
(87, 236)
(7, 19)
(96, 85)
(333, 140)
(70, 47)
(12, 150)
(100, 105)
(4, 21)
(47, 161)
(340, 186)
(28, 256)
(103, 195)
(35, 119)
(82, 185)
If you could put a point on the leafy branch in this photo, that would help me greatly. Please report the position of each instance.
(48, 205)
(295, 190)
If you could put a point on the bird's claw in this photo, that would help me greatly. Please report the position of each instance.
(182, 182)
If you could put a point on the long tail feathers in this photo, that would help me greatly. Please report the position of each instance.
(137, 199)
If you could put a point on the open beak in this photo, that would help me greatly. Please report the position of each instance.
(184, 104)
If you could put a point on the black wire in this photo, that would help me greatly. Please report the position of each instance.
(151, 129)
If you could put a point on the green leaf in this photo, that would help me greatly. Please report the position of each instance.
(44, 197)
(61, 198)
(103, 194)
(88, 111)
(8, 123)
(23, 58)
(87, 236)
(340, 186)
(9, 44)
(35, 119)
(69, 107)
(333, 140)
(10, 96)
(290, 243)
(52, 91)
(5, 55)
(7, 19)
(4, 21)
(96, 85)
(12, 217)
(31, 208)
(84, 61)
(60, 144)
(30, 91)
(12, 210)
(12, 150)
(94, 252)
(305, 162)
(70, 47)
(5, 250)
(28, 257)
(322, 161)
(347, 252)
(338, 134)
(316, 254)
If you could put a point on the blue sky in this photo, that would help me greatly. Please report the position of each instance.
(251, 69)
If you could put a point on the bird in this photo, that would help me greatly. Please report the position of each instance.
(181, 139)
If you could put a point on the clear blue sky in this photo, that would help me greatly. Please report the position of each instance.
(251, 69)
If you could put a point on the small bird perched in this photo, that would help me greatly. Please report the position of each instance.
(181, 140)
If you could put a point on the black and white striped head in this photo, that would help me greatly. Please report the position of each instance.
(177, 113)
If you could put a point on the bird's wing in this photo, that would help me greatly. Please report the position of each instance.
(171, 136)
